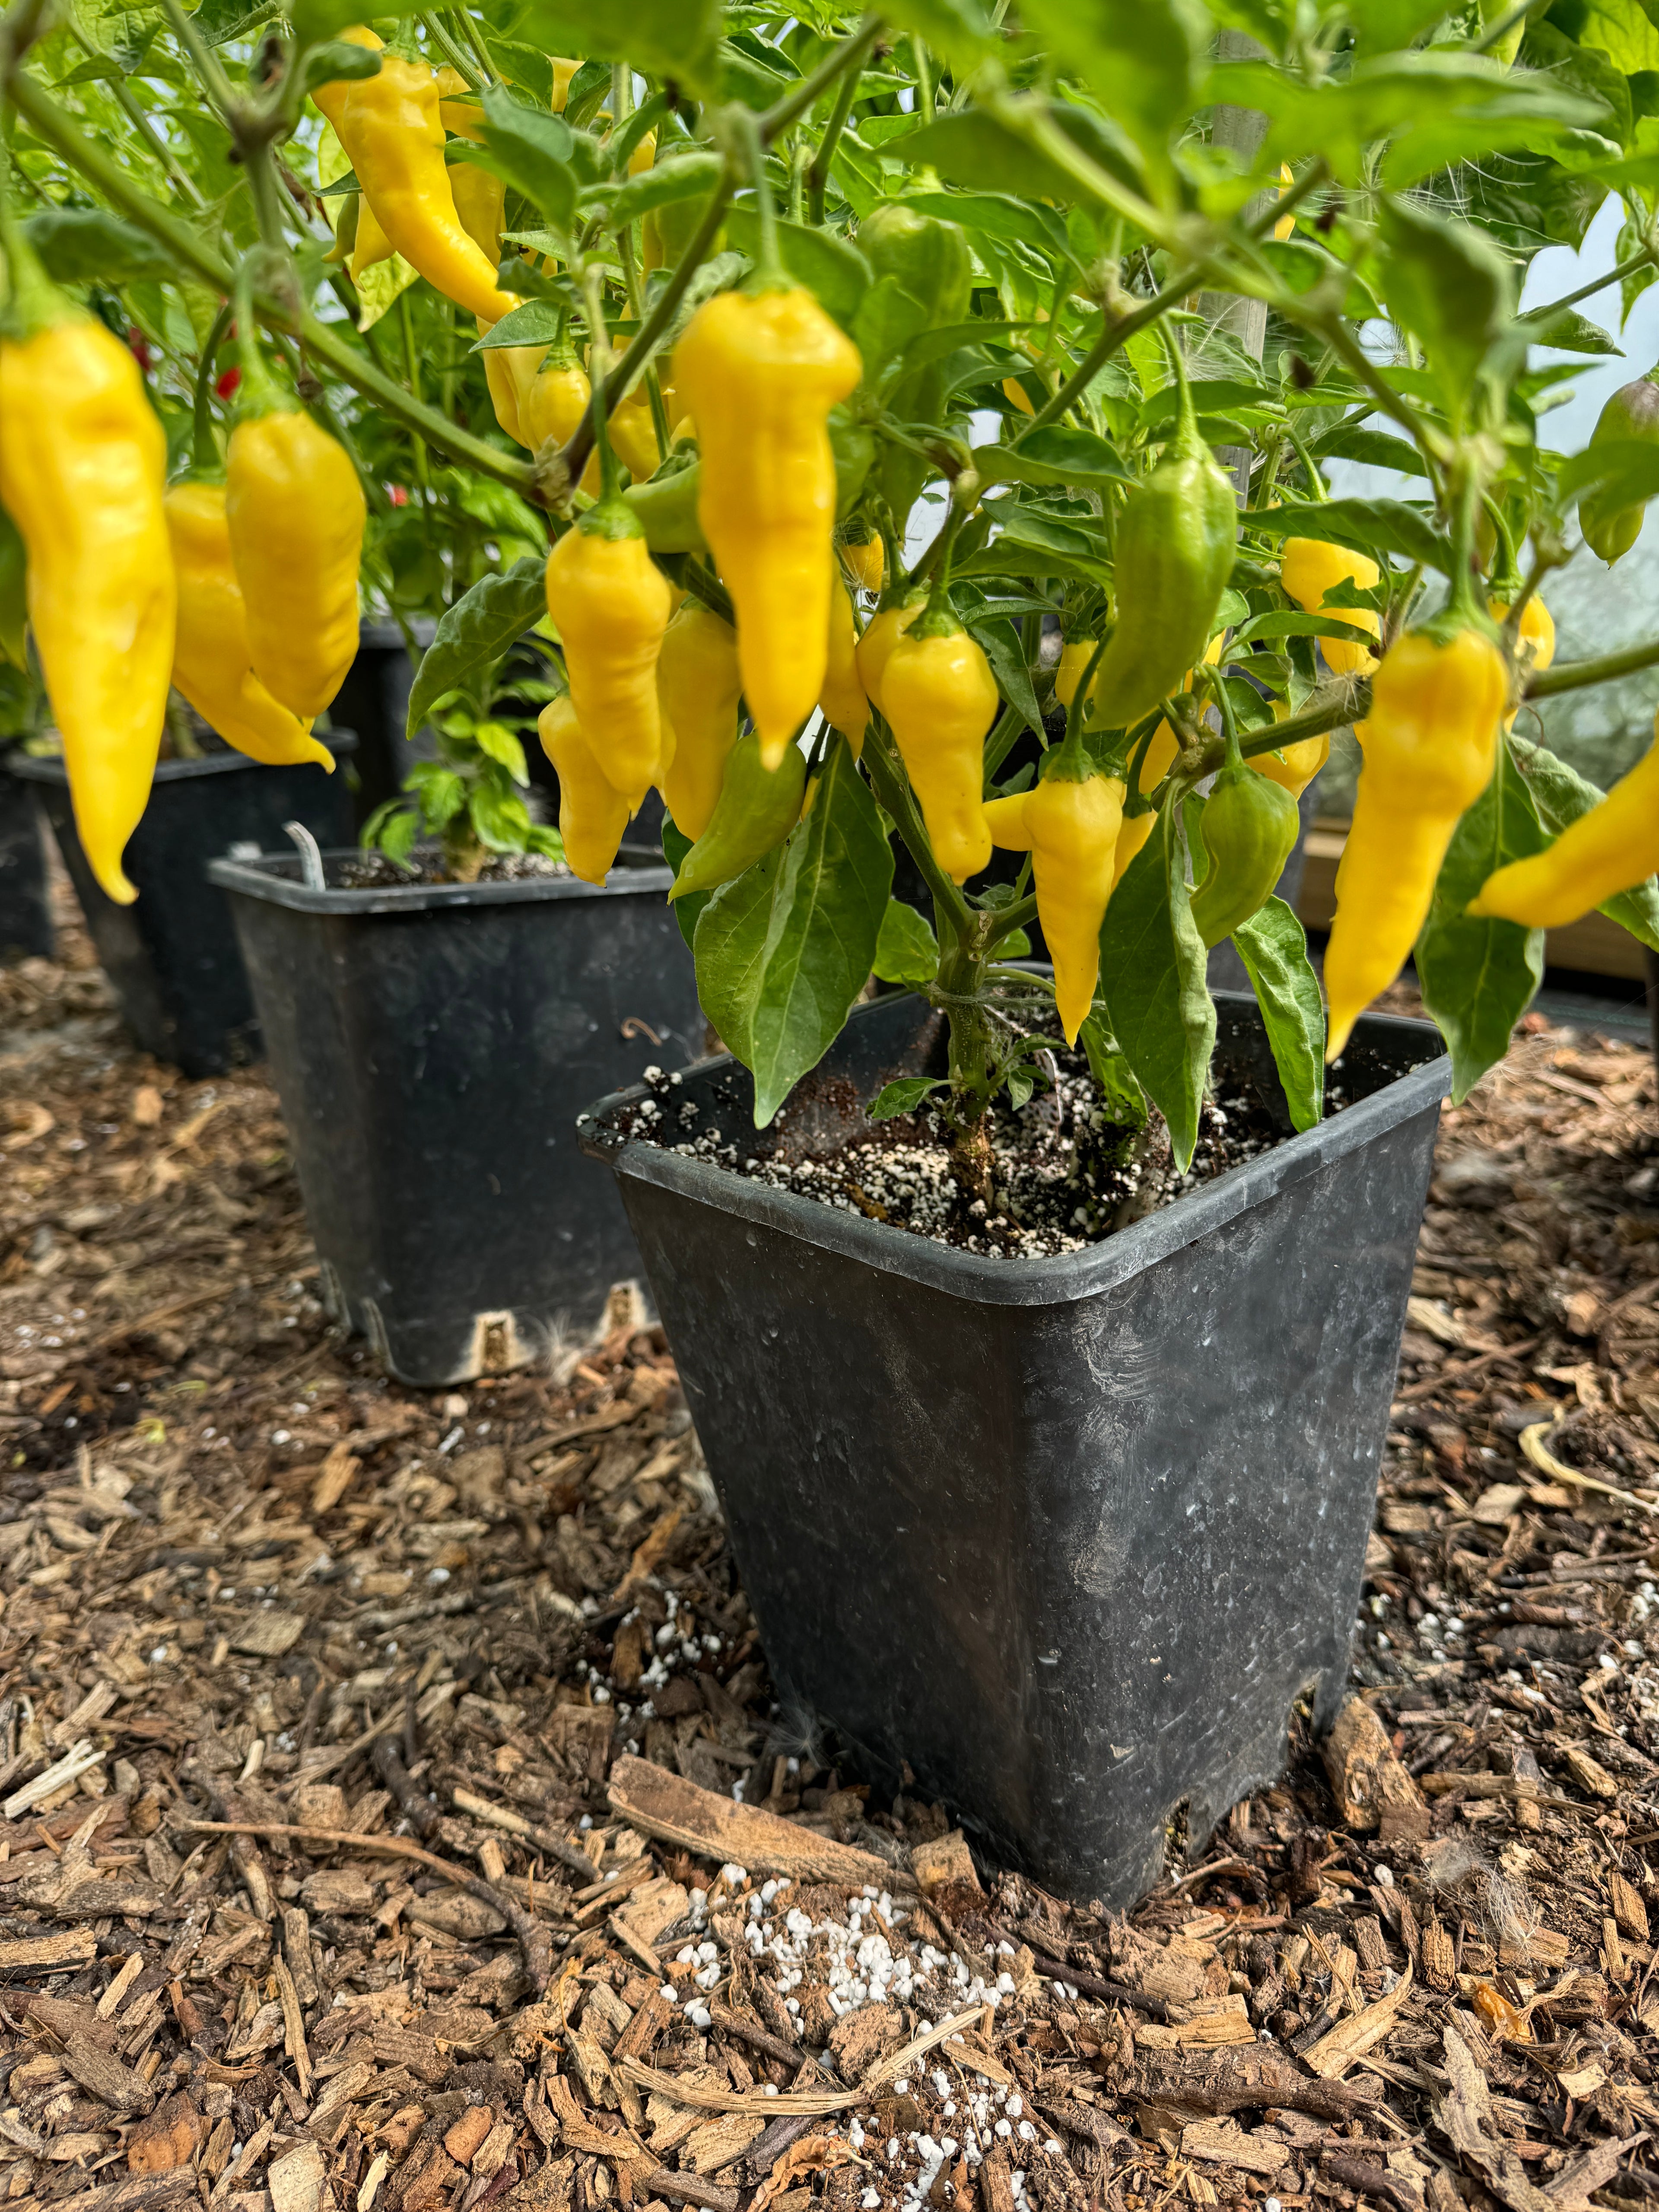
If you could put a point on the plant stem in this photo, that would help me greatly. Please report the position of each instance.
(205, 451)
(1496, 33)
(1615, 276)
(461, 64)
(805, 96)
(1578, 675)
(818, 174)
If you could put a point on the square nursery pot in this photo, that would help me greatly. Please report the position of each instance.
(171, 954)
(433, 1045)
(1072, 1535)
(25, 906)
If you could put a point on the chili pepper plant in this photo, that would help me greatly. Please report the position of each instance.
(852, 408)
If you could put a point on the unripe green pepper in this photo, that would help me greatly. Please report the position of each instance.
(931, 259)
(1173, 554)
(756, 809)
(1250, 828)
(1611, 526)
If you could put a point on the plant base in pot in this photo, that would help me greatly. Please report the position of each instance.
(1070, 1535)
(433, 1044)
(171, 954)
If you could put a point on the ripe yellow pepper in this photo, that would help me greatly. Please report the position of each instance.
(940, 698)
(1430, 744)
(760, 371)
(563, 70)
(1161, 751)
(371, 245)
(1611, 848)
(296, 512)
(1074, 657)
(1070, 824)
(394, 135)
(1307, 569)
(842, 700)
(865, 563)
(1286, 224)
(331, 98)
(875, 648)
(1014, 393)
(698, 686)
(592, 813)
(610, 605)
(212, 662)
(1293, 767)
(82, 464)
(1537, 640)
(480, 201)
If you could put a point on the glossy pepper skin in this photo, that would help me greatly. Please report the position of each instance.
(480, 199)
(1307, 569)
(865, 563)
(1074, 657)
(610, 606)
(698, 688)
(1536, 640)
(82, 463)
(1294, 767)
(875, 648)
(760, 372)
(842, 700)
(1611, 848)
(330, 97)
(212, 662)
(1138, 828)
(940, 699)
(296, 512)
(757, 808)
(1070, 824)
(1430, 744)
(593, 812)
(1610, 526)
(394, 134)
(1250, 827)
(1173, 555)
(666, 505)
(554, 402)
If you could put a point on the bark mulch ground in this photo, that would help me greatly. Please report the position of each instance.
(393, 1813)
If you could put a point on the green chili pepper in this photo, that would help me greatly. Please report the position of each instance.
(756, 809)
(1250, 828)
(930, 259)
(1610, 526)
(1173, 554)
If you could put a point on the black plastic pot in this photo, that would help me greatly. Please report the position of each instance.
(432, 1046)
(1071, 1536)
(172, 955)
(24, 909)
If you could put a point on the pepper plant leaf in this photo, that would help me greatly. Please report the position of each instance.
(902, 1095)
(1561, 795)
(1273, 947)
(476, 631)
(1152, 979)
(784, 950)
(907, 950)
(1477, 972)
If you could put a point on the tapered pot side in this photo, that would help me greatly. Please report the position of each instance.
(26, 930)
(1070, 1536)
(432, 1046)
(172, 955)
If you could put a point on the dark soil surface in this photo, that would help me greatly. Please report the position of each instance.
(374, 872)
(331, 1713)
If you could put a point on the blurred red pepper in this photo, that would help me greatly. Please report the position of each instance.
(227, 381)
(138, 346)
(397, 493)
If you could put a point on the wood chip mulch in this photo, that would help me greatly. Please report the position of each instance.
(393, 1813)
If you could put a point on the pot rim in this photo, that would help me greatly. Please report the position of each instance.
(37, 767)
(274, 878)
(1065, 1277)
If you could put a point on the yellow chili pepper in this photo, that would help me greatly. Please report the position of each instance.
(1071, 824)
(1286, 224)
(1161, 750)
(296, 512)
(1429, 743)
(1014, 391)
(1075, 655)
(1537, 640)
(330, 97)
(593, 812)
(842, 701)
(940, 698)
(563, 70)
(1307, 569)
(760, 371)
(865, 563)
(394, 135)
(610, 605)
(1293, 767)
(82, 463)
(698, 688)
(212, 662)
(1611, 848)
(875, 648)
(460, 110)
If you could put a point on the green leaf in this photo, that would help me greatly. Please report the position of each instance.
(1561, 795)
(497, 743)
(339, 61)
(1016, 221)
(1477, 972)
(535, 323)
(1352, 442)
(13, 602)
(783, 951)
(902, 1096)
(676, 39)
(1625, 462)
(476, 631)
(688, 177)
(836, 273)
(907, 950)
(532, 152)
(1152, 979)
(316, 19)
(1141, 54)
(1274, 947)
(675, 846)
(1365, 525)
(1054, 455)
(440, 792)
(1124, 1099)
(502, 821)
(999, 642)
(1568, 332)
(1448, 283)
(90, 246)
(970, 148)
(959, 29)
(888, 317)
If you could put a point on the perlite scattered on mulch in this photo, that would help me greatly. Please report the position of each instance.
(395, 1812)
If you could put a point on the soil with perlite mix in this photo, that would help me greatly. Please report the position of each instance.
(339, 1724)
